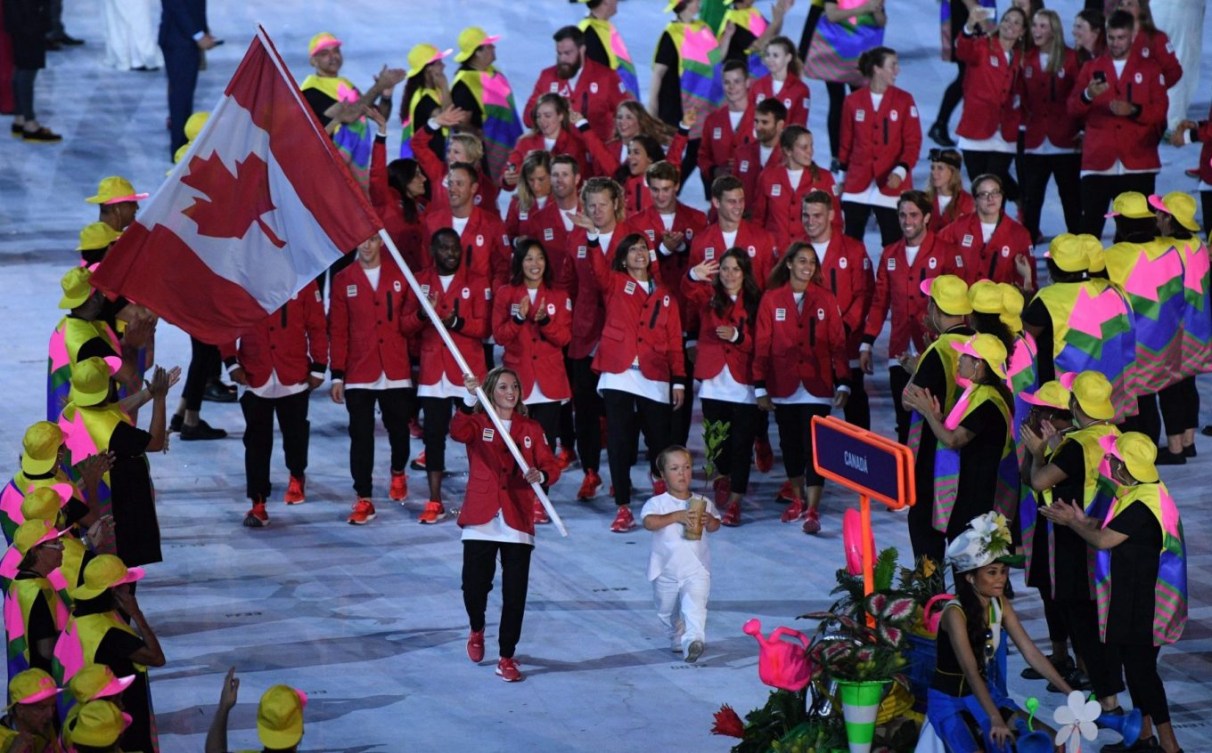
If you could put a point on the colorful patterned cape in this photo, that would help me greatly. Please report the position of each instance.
(1197, 321)
(1150, 278)
(501, 125)
(836, 46)
(699, 70)
(947, 460)
(751, 20)
(616, 50)
(353, 140)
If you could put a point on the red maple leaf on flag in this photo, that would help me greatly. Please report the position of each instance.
(234, 201)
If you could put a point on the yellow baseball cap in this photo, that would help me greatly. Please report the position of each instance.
(97, 235)
(1066, 252)
(90, 381)
(98, 724)
(280, 717)
(1130, 204)
(1137, 452)
(96, 681)
(114, 190)
(30, 534)
(422, 55)
(1178, 205)
(949, 293)
(104, 572)
(322, 41)
(1092, 247)
(193, 126)
(1051, 394)
(471, 39)
(1012, 307)
(45, 502)
(77, 287)
(40, 448)
(1092, 392)
(985, 297)
(987, 348)
(31, 686)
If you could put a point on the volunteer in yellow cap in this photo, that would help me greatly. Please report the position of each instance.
(95, 240)
(118, 201)
(34, 613)
(486, 95)
(279, 716)
(96, 726)
(32, 695)
(934, 372)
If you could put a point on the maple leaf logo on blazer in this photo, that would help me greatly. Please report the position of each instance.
(244, 199)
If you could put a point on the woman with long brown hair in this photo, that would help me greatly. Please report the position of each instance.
(947, 194)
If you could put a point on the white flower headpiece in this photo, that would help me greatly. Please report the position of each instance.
(986, 539)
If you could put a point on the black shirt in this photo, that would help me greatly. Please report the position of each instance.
(132, 496)
(1134, 565)
(979, 461)
(1036, 315)
(742, 40)
(1070, 551)
(41, 626)
(669, 100)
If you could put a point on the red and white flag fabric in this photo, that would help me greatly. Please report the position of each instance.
(260, 206)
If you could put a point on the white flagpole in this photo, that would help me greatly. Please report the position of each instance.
(484, 401)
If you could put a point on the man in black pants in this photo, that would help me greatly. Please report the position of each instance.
(184, 36)
(939, 133)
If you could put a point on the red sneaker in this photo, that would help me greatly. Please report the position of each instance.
(475, 646)
(763, 455)
(257, 517)
(590, 485)
(723, 490)
(414, 429)
(432, 513)
(786, 494)
(658, 487)
(399, 487)
(418, 463)
(363, 512)
(732, 515)
(793, 511)
(565, 457)
(623, 521)
(540, 513)
(812, 521)
(294, 491)
(507, 670)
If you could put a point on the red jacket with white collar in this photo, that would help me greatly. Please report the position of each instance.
(846, 272)
(720, 141)
(794, 95)
(291, 342)
(597, 95)
(639, 325)
(568, 142)
(534, 348)
(486, 248)
(990, 86)
(435, 172)
(386, 201)
(470, 299)
(544, 225)
(494, 479)
(758, 244)
(776, 205)
(994, 260)
(959, 206)
(1110, 137)
(804, 345)
(1045, 100)
(714, 354)
(673, 264)
(898, 288)
(875, 142)
(747, 166)
(364, 325)
(581, 284)
(1157, 47)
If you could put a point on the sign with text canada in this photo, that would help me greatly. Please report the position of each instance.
(863, 461)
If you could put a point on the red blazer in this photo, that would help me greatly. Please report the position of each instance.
(875, 142)
(993, 260)
(535, 350)
(673, 264)
(720, 142)
(470, 299)
(1132, 140)
(608, 157)
(544, 225)
(959, 206)
(713, 353)
(1157, 47)
(581, 284)
(796, 347)
(776, 205)
(486, 247)
(292, 342)
(1045, 101)
(567, 142)
(638, 325)
(846, 272)
(898, 288)
(435, 171)
(794, 96)
(598, 93)
(409, 236)
(763, 254)
(494, 480)
(1204, 136)
(990, 84)
(747, 166)
(364, 325)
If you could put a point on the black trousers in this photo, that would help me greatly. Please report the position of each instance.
(681, 418)
(436, 412)
(479, 568)
(587, 405)
(736, 457)
(795, 439)
(1081, 622)
(690, 162)
(1065, 169)
(23, 93)
(259, 415)
(1098, 191)
(1205, 201)
(924, 538)
(1139, 666)
(1180, 406)
(203, 363)
(898, 380)
(858, 407)
(1147, 420)
(182, 60)
(837, 96)
(997, 163)
(394, 405)
(954, 92)
(548, 416)
(856, 216)
(624, 412)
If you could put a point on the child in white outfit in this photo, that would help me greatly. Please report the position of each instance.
(679, 568)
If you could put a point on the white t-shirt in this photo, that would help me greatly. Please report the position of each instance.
(764, 153)
(821, 250)
(672, 553)
(735, 118)
(729, 239)
(776, 86)
(987, 229)
(459, 224)
(794, 177)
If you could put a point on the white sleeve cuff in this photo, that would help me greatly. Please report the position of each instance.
(865, 348)
(759, 392)
(843, 388)
(470, 400)
(899, 172)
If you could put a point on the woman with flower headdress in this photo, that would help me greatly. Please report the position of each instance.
(970, 675)
(1140, 576)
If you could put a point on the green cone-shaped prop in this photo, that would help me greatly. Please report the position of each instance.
(860, 705)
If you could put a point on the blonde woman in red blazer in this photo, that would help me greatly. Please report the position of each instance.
(554, 133)
(497, 517)
(782, 186)
(800, 369)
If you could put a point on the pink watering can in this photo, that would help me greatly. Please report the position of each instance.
(931, 621)
(782, 664)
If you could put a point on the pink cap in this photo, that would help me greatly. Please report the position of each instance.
(1155, 201)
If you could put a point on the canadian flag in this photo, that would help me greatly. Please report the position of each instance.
(260, 206)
